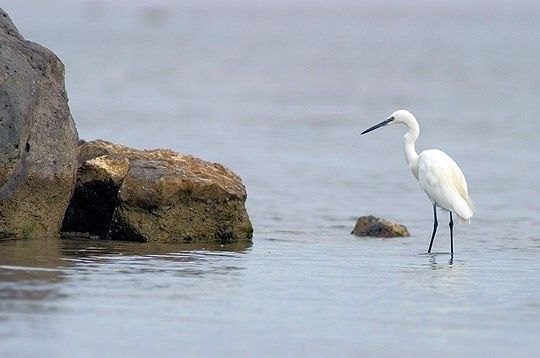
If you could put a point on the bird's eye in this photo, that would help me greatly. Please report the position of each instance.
(391, 118)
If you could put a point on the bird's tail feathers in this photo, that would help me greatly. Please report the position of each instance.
(463, 220)
(464, 210)
(471, 203)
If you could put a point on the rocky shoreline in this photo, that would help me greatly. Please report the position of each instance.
(51, 183)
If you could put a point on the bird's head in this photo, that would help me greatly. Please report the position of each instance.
(399, 116)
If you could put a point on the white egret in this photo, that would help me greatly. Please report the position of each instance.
(438, 175)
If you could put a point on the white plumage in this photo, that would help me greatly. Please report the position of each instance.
(438, 174)
(444, 183)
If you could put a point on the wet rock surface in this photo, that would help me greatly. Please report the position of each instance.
(38, 138)
(376, 227)
(156, 195)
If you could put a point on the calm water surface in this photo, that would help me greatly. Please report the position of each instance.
(279, 93)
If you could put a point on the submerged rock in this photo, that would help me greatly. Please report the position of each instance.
(372, 226)
(156, 195)
(38, 138)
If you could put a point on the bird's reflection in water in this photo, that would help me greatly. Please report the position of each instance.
(433, 260)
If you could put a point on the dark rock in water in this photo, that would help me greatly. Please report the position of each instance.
(156, 195)
(38, 138)
(372, 226)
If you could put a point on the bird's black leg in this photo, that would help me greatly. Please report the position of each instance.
(435, 224)
(451, 224)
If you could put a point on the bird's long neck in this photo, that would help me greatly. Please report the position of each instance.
(408, 146)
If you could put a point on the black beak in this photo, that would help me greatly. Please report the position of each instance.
(382, 124)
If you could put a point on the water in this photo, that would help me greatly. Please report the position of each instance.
(279, 92)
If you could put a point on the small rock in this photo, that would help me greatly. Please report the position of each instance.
(372, 226)
(156, 195)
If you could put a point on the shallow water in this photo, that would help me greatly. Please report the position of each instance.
(280, 93)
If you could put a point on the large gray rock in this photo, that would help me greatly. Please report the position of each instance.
(38, 138)
(156, 195)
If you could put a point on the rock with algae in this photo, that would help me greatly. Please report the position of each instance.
(156, 195)
(375, 227)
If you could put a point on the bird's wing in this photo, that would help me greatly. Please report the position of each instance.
(443, 181)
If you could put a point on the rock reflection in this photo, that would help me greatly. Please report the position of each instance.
(85, 247)
(30, 271)
(139, 258)
(47, 269)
